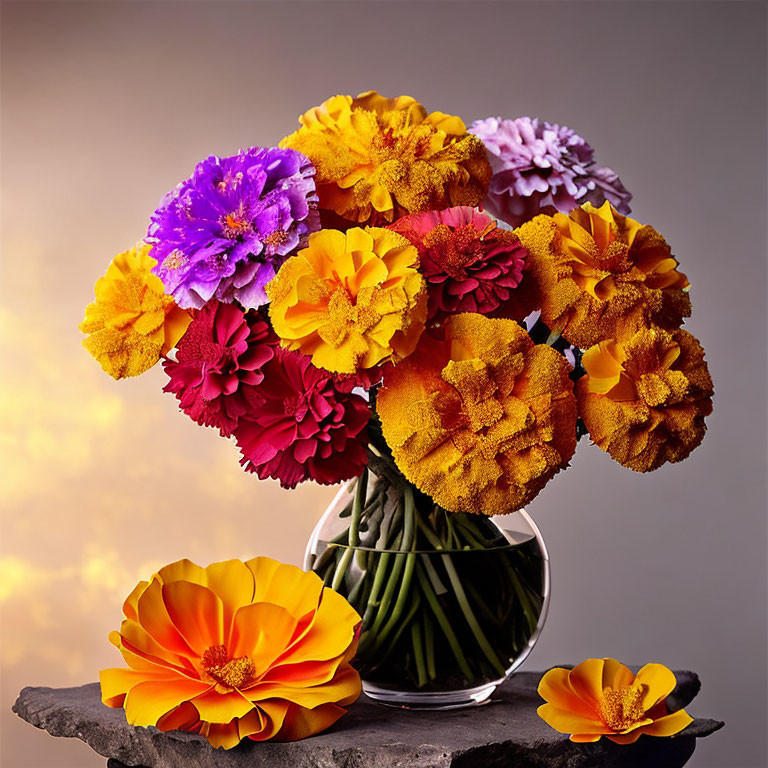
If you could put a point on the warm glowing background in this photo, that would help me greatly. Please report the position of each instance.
(107, 105)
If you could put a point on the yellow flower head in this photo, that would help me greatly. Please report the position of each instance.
(256, 649)
(602, 697)
(601, 275)
(480, 419)
(132, 322)
(378, 159)
(350, 299)
(644, 401)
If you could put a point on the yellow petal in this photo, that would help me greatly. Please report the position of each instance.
(669, 724)
(261, 631)
(344, 688)
(215, 707)
(116, 682)
(264, 721)
(301, 722)
(582, 738)
(660, 681)
(223, 735)
(183, 570)
(148, 701)
(232, 582)
(616, 674)
(296, 590)
(587, 680)
(153, 616)
(196, 612)
(568, 722)
(555, 688)
(624, 738)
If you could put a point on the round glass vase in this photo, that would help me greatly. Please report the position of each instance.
(451, 603)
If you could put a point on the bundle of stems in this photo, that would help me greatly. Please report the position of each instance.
(447, 601)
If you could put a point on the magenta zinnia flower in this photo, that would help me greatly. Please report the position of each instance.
(219, 358)
(470, 265)
(225, 231)
(541, 167)
(303, 424)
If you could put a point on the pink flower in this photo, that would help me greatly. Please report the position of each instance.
(219, 359)
(470, 265)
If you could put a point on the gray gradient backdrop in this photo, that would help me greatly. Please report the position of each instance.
(107, 105)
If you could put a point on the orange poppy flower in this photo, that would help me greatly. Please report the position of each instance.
(256, 649)
(602, 697)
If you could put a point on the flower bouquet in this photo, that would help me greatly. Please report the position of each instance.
(435, 315)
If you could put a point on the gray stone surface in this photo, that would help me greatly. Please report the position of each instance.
(506, 732)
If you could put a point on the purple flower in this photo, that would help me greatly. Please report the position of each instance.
(226, 230)
(540, 167)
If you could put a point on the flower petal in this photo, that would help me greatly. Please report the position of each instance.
(148, 701)
(669, 724)
(215, 707)
(261, 631)
(587, 680)
(116, 682)
(568, 722)
(616, 674)
(301, 722)
(555, 688)
(196, 612)
(660, 680)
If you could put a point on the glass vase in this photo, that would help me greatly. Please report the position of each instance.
(451, 603)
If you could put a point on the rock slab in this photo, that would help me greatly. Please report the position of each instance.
(506, 732)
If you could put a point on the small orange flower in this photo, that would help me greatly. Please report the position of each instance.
(600, 275)
(378, 159)
(350, 299)
(132, 322)
(644, 401)
(602, 697)
(256, 649)
(482, 418)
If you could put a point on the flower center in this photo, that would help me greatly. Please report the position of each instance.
(174, 260)
(276, 239)
(235, 225)
(621, 708)
(229, 672)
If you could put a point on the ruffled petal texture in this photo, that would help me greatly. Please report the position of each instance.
(303, 424)
(235, 650)
(602, 697)
(645, 401)
(351, 300)
(378, 159)
(224, 232)
(470, 264)
(540, 167)
(219, 362)
(600, 275)
(132, 322)
(480, 418)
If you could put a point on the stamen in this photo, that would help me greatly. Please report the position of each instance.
(620, 708)
(231, 673)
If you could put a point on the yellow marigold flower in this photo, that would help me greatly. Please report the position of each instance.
(350, 299)
(378, 159)
(256, 649)
(132, 322)
(601, 275)
(644, 401)
(602, 697)
(480, 419)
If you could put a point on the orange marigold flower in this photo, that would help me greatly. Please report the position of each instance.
(644, 401)
(256, 649)
(132, 322)
(378, 159)
(602, 697)
(482, 418)
(601, 275)
(350, 299)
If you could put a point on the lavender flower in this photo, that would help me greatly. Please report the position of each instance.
(226, 230)
(539, 167)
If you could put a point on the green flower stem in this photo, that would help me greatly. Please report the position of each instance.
(466, 609)
(415, 606)
(409, 541)
(357, 508)
(525, 603)
(445, 625)
(418, 654)
(429, 644)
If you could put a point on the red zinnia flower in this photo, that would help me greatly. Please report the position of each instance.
(469, 263)
(219, 359)
(302, 424)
